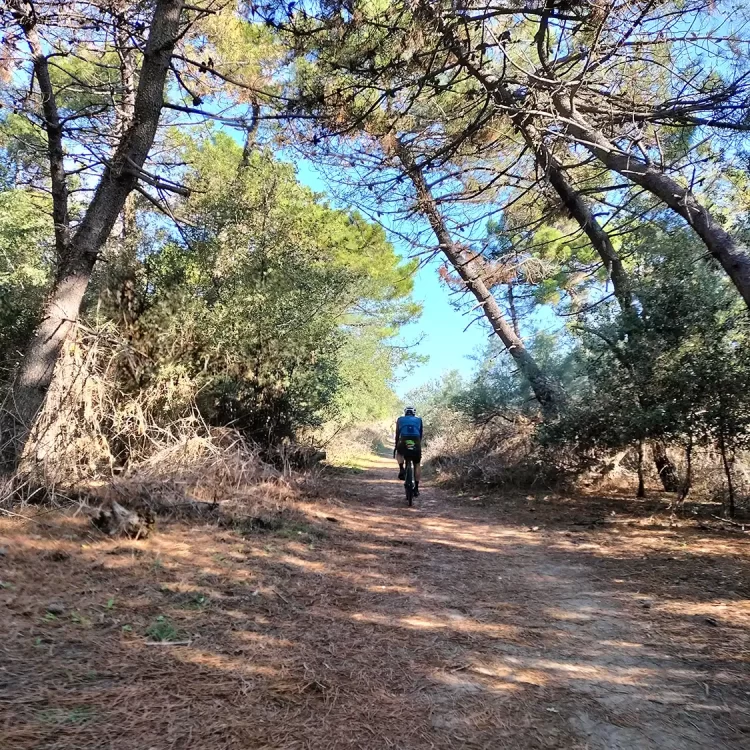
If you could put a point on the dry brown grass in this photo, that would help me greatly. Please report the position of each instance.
(504, 453)
(96, 440)
(501, 453)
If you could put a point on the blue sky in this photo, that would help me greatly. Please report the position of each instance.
(439, 333)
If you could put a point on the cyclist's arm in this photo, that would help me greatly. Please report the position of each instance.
(421, 429)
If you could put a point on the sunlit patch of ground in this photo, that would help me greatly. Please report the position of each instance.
(504, 622)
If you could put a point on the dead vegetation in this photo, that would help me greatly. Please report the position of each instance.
(505, 454)
(345, 444)
(124, 459)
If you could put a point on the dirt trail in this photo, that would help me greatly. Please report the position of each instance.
(524, 626)
(441, 626)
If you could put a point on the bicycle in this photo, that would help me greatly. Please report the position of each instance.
(409, 483)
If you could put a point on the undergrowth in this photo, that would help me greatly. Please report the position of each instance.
(505, 453)
(99, 441)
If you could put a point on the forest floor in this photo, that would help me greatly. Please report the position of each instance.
(513, 621)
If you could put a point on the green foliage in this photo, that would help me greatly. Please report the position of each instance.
(365, 372)
(85, 82)
(680, 371)
(57, 716)
(273, 306)
(162, 630)
(496, 389)
(25, 263)
(23, 155)
(675, 370)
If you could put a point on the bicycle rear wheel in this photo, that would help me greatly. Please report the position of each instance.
(409, 483)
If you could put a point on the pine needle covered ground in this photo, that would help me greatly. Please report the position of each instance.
(353, 622)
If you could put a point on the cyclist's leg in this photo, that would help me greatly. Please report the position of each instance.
(418, 464)
(400, 459)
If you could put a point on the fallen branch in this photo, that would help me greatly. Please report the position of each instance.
(730, 522)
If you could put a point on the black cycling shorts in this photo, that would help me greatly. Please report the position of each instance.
(411, 448)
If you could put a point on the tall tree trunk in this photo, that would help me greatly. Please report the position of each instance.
(513, 312)
(730, 254)
(24, 14)
(250, 134)
(727, 472)
(524, 124)
(664, 466)
(577, 207)
(61, 309)
(124, 281)
(641, 477)
(688, 483)
(466, 263)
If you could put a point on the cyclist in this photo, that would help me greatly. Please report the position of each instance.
(409, 433)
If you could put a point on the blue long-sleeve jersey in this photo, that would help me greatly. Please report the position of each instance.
(409, 426)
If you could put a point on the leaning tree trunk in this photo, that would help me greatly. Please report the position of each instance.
(730, 254)
(733, 258)
(578, 209)
(600, 241)
(466, 263)
(118, 179)
(524, 125)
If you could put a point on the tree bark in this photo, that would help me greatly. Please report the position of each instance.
(580, 210)
(513, 312)
(467, 265)
(577, 207)
(250, 134)
(126, 267)
(641, 478)
(727, 472)
(688, 483)
(24, 13)
(732, 257)
(664, 466)
(118, 179)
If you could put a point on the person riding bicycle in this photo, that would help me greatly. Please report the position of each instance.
(409, 433)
